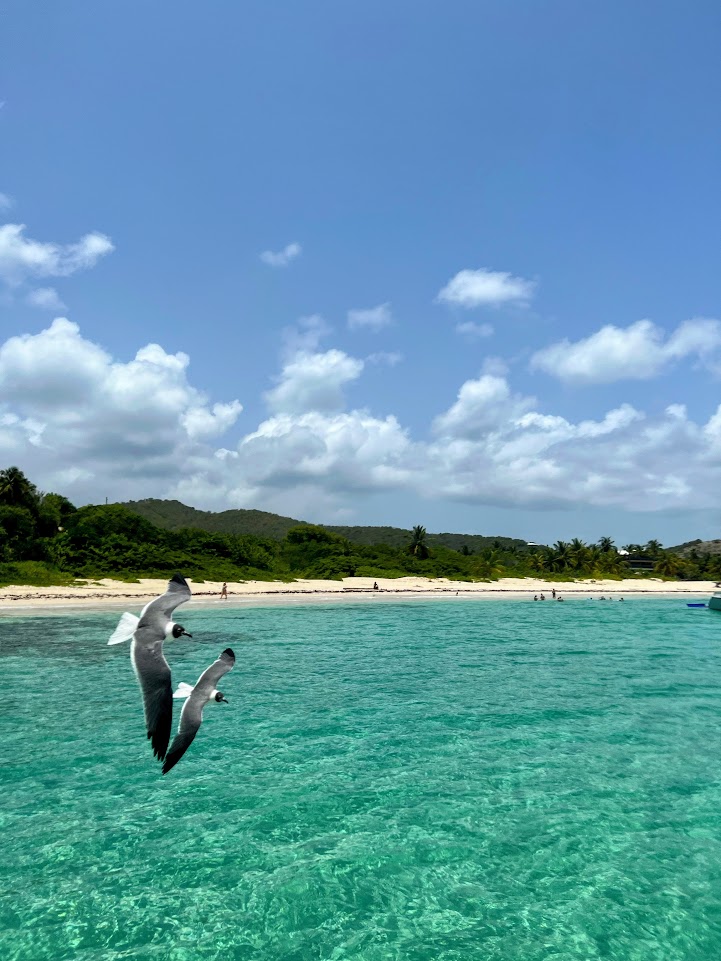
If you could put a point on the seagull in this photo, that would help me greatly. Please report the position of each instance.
(191, 716)
(148, 632)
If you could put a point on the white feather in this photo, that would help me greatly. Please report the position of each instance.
(125, 629)
(184, 690)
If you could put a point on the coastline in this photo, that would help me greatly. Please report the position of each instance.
(107, 594)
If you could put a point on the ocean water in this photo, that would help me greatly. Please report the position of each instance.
(421, 781)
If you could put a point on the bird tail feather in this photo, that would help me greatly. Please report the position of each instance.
(184, 690)
(125, 629)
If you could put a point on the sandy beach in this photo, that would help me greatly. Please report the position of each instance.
(107, 593)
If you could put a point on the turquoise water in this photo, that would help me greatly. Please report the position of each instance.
(433, 780)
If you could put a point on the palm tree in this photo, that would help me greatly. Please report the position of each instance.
(668, 565)
(612, 563)
(593, 558)
(633, 548)
(560, 556)
(418, 546)
(653, 548)
(578, 552)
(538, 561)
(489, 564)
(606, 544)
(16, 490)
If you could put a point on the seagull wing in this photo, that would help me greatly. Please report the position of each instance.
(190, 720)
(210, 677)
(192, 713)
(153, 673)
(158, 612)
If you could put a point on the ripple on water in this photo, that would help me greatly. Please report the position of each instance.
(414, 781)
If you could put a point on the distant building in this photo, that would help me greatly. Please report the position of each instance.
(638, 561)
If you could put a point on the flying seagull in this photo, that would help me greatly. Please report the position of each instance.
(191, 716)
(146, 652)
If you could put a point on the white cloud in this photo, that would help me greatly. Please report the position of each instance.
(22, 258)
(281, 258)
(90, 425)
(473, 330)
(45, 297)
(313, 382)
(305, 335)
(337, 453)
(66, 403)
(374, 318)
(637, 352)
(5, 201)
(201, 422)
(486, 288)
(483, 405)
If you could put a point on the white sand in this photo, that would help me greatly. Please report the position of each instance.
(109, 593)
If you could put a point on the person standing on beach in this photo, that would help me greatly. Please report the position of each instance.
(224, 592)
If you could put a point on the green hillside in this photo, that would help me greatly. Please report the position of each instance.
(45, 540)
(173, 516)
(697, 547)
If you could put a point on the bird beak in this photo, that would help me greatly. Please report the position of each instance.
(224, 700)
(185, 634)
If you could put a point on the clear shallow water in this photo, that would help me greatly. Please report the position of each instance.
(434, 780)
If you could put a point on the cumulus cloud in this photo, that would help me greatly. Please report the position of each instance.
(340, 452)
(373, 318)
(482, 406)
(281, 258)
(637, 352)
(313, 382)
(127, 425)
(91, 425)
(22, 258)
(45, 297)
(486, 288)
(202, 422)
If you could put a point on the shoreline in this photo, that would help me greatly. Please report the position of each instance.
(107, 594)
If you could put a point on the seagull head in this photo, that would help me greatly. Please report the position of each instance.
(220, 697)
(179, 631)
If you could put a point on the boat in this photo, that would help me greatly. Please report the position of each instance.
(696, 604)
(714, 602)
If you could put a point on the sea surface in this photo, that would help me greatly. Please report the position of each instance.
(420, 781)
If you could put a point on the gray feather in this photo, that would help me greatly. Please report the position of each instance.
(151, 668)
(191, 716)
(153, 673)
(157, 614)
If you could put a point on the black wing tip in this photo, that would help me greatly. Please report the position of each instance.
(169, 763)
(178, 579)
(158, 750)
(227, 653)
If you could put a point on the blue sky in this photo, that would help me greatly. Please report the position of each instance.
(457, 263)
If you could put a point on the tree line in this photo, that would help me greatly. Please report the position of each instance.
(45, 539)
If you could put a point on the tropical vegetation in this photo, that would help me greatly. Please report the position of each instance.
(45, 539)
